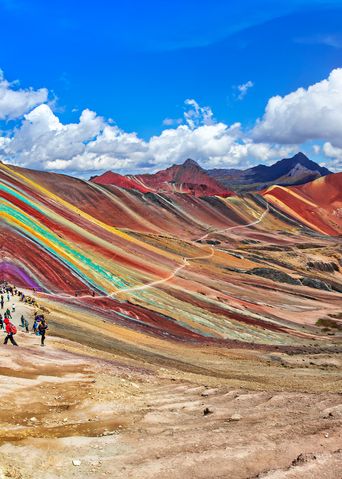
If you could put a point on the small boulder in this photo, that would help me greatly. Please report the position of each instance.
(303, 458)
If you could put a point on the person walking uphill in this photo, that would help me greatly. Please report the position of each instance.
(42, 327)
(11, 330)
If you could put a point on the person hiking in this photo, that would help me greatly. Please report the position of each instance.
(2, 301)
(26, 325)
(8, 314)
(1, 322)
(35, 326)
(37, 319)
(42, 327)
(13, 308)
(11, 330)
(22, 320)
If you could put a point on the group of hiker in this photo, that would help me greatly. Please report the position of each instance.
(7, 292)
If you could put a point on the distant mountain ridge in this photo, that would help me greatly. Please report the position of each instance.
(191, 178)
(290, 171)
(187, 178)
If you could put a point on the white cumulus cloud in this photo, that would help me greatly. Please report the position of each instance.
(305, 114)
(15, 102)
(42, 138)
(333, 153)
(93, 144)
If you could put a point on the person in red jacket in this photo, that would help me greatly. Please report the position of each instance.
(10, 330)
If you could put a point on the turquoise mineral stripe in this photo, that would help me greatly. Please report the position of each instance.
(24, 199)
(55, 240)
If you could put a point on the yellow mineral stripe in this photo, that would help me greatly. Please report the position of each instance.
(86, 216)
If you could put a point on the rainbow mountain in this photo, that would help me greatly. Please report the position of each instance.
(214, 269)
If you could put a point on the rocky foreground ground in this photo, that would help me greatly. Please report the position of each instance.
(71, 411)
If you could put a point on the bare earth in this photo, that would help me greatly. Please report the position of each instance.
(118, 418)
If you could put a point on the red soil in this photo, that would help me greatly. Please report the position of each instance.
(325, 191)
(317, 204)
(187, 178)
(111, 178)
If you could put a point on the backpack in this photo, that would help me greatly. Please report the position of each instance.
(13, 329)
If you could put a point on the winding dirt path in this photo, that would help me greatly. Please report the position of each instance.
(173, 274)
(187, 259)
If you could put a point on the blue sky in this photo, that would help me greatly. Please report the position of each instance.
(137, 62)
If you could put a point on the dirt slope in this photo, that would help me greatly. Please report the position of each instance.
(122, 418)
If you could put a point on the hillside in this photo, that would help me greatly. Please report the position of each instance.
(317, 204)
(170, 316)
(187, 178)
(289, 171)
(80, 237)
